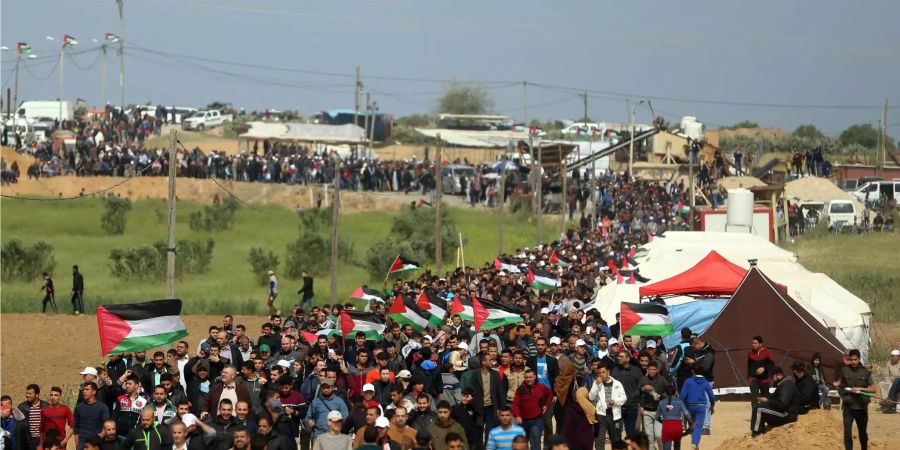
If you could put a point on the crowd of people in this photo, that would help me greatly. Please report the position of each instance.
(561, 378)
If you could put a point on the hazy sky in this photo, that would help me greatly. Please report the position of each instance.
(709, 59)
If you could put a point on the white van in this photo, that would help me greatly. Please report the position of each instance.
(51, 109)
(875, 191)
(841, 213)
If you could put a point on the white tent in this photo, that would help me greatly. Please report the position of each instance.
(845, 314)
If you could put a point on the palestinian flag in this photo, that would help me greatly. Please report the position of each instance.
(505, 264)
(649, 238)
(368, 323)
(23, 49)
(681, 208)
(110, 38)
(311, 338)
(364, 293)
(402, 264)
(538, 279)
(462, 306)
(631, 278)
(405, 311)
(632, 252)
(490, 315)
(69, 41)
(139, 326)
(645, 319)
(612, 266)
(431, 303)
(555, 260)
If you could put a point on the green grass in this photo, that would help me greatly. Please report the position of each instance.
(866, 265)
(73, 228)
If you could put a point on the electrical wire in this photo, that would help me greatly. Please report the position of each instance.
(91, 66)
(44, 78)
(78, 197)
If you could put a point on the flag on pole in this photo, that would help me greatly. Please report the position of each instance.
(619, 279)
(23, 49)
(538, 279)
(364, 293)
(645, 319)
(110, 38)
(69, 41)
(681, 208)
(311, 338)
(404, 311)
(402, 264)
(368, 323)
(631, 278)
(505, 264)
(612, 266)
(553, 260)
(490, 315)
(463, 306)
(632, 252)
(135, 327)
(431, 303)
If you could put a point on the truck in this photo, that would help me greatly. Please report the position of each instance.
(841, 213)
(202, 120)
(46, 109)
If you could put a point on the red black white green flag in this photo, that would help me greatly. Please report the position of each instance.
(539, 279)
(402, 264)
(645, 319)
(136, 327)
(505, 264)
(405, 311)
(355, 321)
(364, 293)
(430, 302)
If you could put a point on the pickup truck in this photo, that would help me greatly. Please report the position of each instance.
(201, 120)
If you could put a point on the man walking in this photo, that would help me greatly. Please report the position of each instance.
(77, 291)
(530, 402)
(609, 396)
(306, 292)
(759, 362)
(853, 381)
(501, 437)
(653, 387)
(49, 295)
(273, 293)
(630, 377)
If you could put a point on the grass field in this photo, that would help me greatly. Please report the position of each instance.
(73, 228)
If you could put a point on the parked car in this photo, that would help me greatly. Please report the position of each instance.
(876, 191)
(202, 120)
(451, 177)
(841, 213)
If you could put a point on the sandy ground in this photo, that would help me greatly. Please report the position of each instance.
(203, 191)
(51, 350)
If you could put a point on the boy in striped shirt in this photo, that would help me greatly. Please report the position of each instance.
(501, 437)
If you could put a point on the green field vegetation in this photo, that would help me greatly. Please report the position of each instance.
(866, 265)
(73, 229)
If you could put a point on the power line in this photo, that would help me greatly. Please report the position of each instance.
(89, 67)
(44, 78)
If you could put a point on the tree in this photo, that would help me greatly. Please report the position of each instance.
(311, 250)
(808, 132)
(465, 98)
(412, 235)
(742, 124)
(113, 219)
(863, 134)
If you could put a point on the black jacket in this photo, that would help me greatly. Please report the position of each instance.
(705, 358)
(807, 393)
(77, 282)
(497, 400)
(785, 399)
(306, 291)
(469, 419)
(552, 367)
(160, 438)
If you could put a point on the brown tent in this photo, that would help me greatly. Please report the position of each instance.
(789, 331)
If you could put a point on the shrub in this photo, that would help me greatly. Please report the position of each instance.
(412, 235)
(261, 262)
(18, 262)
(311, 251)
(113, 219)
(148, 262)
(215, 218)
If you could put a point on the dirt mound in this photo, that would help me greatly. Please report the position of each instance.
(11, 156)
(741, 182)
(819, 190)
(817, 429)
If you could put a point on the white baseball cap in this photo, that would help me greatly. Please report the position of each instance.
(283, 363)
(462, 346)
(89, 371)
(382, 422)
(335, 416)
(651, 344)
(580, 342)
(895, 352)
(189, 419)
(404, 374)
(555, 340)
(368, 387)
(545, 310)
(613, 341)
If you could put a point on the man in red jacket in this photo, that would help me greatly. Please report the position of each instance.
(529, 405)
(759, 363)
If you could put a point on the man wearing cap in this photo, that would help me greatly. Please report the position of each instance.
(892, 385)
(90, 375)
(579, 357)
(459, 359)
(333, 439)
(553, 347)
(321, 405)
(780, 408)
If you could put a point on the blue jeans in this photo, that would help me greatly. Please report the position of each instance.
(698, 416)
(707, 421)
(629, 419)
(895, 390)
(534, 429)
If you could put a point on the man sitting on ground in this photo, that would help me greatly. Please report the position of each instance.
(780, 409)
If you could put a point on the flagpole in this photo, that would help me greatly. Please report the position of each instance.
(62, 66)
(389, 272)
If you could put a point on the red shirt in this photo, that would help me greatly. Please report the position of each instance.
(55, 418)
(529, 400)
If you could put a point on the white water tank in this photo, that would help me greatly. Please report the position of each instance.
(739, 217)
(691, 128)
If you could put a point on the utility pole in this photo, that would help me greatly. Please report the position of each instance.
(631, 143)
(884, 111)
(691, 179)
(564, 198)
(500, 224)
(335, 218)
(170, 248)
(121, 5)
(372, 125)
(525, 103)
(103, 74)
(366, 119)
(438, 250)
(62, 51)
(356, 98)
(16, 96)
(539, 191)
